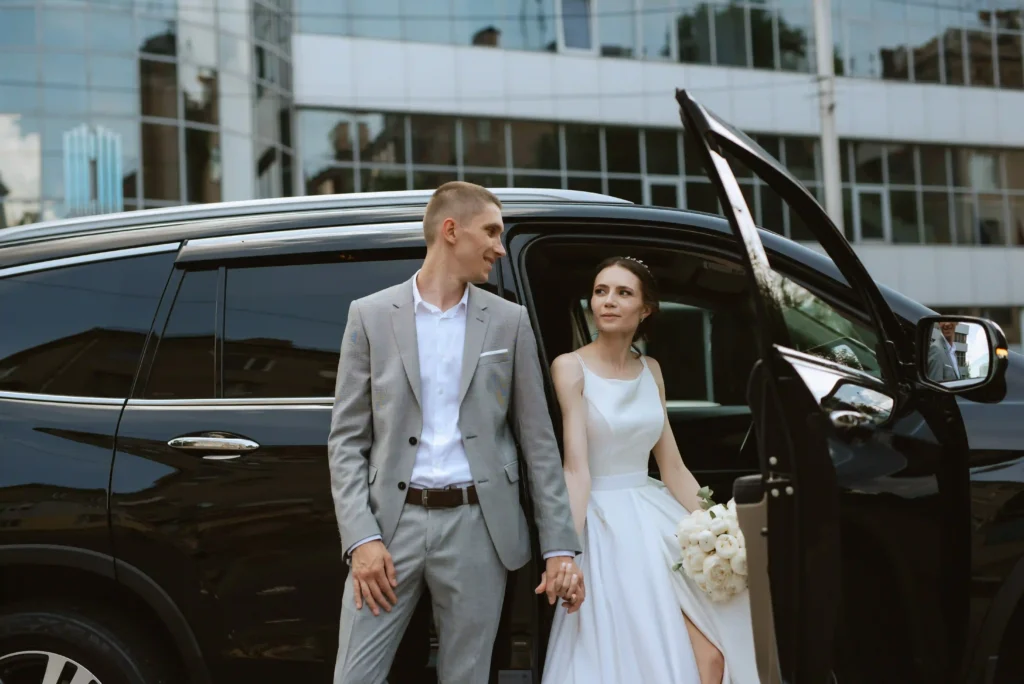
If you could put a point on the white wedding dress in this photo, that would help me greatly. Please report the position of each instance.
(630, 628)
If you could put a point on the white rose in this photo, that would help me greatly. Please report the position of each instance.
(719, 526)
(738, 563)
(736, 584)
(717, 571)
(726, 546)
(706, 541)
(686, 527)
(734, 527)
(731, 505)
(694, 560)
(701, 519)
(718, 510)
(701, 580)
(695, 538)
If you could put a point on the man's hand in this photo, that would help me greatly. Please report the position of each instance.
(562, 579)
(373, 577)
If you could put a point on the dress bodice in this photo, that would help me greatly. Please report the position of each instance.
(624, 421)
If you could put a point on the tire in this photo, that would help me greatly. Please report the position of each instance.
(90, 639)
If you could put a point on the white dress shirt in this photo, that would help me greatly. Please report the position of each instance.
(951, 350)
(441, 459)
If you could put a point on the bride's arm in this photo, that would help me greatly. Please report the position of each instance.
(568, 378)
(676, 476)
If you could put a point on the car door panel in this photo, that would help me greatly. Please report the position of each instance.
(837, 432)
(263, 576)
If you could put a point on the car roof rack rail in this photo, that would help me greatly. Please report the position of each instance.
(355, 200)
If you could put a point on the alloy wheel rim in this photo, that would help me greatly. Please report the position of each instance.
(43, 667)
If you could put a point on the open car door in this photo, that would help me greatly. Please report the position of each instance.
(808, 410)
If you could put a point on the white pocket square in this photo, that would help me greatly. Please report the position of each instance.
(492, 353)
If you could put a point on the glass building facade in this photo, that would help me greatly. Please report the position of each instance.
(955, 42)
(111, 105)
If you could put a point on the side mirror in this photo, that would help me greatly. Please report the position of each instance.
(960, 353)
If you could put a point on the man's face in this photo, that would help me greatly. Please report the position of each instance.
(948, 329)
(478, 243)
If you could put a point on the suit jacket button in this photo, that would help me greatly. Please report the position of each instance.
(412, 440)
(401, 485)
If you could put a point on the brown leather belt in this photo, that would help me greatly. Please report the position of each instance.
(442, 498)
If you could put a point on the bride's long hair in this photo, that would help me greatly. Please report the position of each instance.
(648, 288)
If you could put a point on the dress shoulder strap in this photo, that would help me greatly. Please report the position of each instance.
(580, 359)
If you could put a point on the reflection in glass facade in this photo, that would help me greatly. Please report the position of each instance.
(124, 104)
(956, 42)
(892, 192)
(770, 34)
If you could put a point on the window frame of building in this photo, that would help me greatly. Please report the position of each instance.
(593, 10)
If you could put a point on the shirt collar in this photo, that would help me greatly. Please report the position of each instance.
(419, 302)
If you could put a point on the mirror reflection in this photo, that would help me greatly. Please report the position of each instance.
(958, 353)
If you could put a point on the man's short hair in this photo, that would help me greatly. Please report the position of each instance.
(458, 200)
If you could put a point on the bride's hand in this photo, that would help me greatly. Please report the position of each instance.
(566, 583)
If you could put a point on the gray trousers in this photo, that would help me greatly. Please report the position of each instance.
(451, 551)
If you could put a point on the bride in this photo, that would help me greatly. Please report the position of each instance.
(643, 621)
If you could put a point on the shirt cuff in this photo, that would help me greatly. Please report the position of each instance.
(554, 554)
(361, 542)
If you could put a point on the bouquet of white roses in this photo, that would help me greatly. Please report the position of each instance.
(713, 551)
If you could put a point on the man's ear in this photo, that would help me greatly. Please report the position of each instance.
(448, 230)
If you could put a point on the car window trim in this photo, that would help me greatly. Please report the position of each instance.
(93, 257)
(237, 402)
(269, 243)
(61, 398)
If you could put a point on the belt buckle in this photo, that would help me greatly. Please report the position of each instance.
(423, 499)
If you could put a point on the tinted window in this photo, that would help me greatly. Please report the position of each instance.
(283, 324)
(79, 330)
(705, 354)
(183, 367)
(816, 327)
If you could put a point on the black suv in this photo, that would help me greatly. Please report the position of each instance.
(166, 382)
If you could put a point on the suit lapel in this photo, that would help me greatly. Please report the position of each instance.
(476, 329)
(403, 319)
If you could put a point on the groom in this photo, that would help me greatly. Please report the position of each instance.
(437, 384)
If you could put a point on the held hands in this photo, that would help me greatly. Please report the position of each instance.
(562, 579)
(373, 577)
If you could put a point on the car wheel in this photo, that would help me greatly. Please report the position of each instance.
(64, 644)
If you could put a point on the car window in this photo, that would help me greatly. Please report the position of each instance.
(818, 328)
(283, 323)
(79, 330)
(704, 354)
(184, 364)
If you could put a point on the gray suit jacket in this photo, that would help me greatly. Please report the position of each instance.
(940, 365)
(377, 420)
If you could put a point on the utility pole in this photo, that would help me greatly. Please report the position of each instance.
(826, 80)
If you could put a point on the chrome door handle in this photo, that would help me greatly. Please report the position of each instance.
(845, 420)
(221, 443)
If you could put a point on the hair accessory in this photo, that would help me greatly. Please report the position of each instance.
(646, 267)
